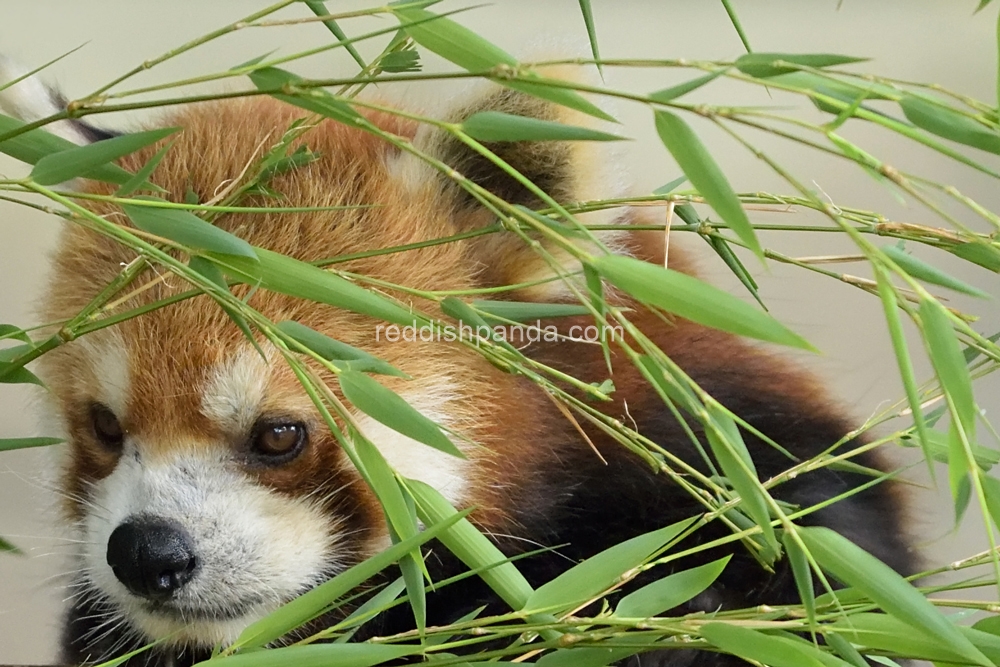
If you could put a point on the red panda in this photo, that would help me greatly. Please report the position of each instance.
(204, 486)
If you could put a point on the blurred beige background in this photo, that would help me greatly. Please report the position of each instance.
(927, 40)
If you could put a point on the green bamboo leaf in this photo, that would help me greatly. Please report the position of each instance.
(139, 181)
(525, 311)
(320, 655)
(671, 591)
(14, 352)
(187, 229)
(461, 311)
(693, 299)
(673, 92)
(763, 65)
(33, 145)
(389, 408)
(7, 444)
(802, 573)
(949, 124)
(726, 254)
(10, 547)
(949, 365)
(991, 492)
(82, 160)
(316, 100)
(293, 277)
(499, 126)
(923, 271)
(311, 604)
(845, 91)
(469, 51)
(735, 20)
(705, 175)
(884, 633)
(855, 567)
(318, 8)
(8, 331)
(753, 645)
(891, 308)
(402, 521)
(598, 573)
(985, 255)
(348, 356)
(667, 188)
(845, 650)
(12, 373)
(982, 5)
(370, 609)
(470, 546)
(588, 19)
(734, 458)
(584, 656)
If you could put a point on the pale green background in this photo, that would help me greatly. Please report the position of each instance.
(928, 40)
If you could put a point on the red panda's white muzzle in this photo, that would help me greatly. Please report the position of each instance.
(192, 550)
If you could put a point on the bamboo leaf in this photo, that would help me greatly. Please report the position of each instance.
(311, 604)
(753, 645)
(802, 573)
(8, 331)
(584, 656)
(735, 20)
(763, 65)
(726, 254)
(985, 255)
(139, 181)
(7, 444)
(10, 547)
(525, 311)
(318, 8)
(320, 655)
(348, 356)
(923, 271)
(499, 126)
(311, 99)
(469, 51)
(705, 175)
(670, 591)
(300, 279)
(891, 308)
(949, 365)
(389, 408)
(598, 573)
(12, 373)
(949, 124)
(731, 452)
(673, 92)
(588, 19)
(855, 567)
(187, 229)
(884, 633)
(82, 160)
(470, 546)
(33, 145)
(693, 299)
(991, 492)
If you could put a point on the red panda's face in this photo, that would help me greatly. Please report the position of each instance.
(206, 486)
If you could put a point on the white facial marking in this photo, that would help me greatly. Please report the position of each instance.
(255, 549)
(410, 458)
(110, 363)
(235, 391)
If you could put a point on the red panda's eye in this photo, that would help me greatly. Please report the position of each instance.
(107, 428)
(279, 440)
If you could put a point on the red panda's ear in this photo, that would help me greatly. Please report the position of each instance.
(30, 99)
(568, 171)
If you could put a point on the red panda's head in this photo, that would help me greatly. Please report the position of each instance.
(204, 484)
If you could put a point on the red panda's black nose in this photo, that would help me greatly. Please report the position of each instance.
(152, 557)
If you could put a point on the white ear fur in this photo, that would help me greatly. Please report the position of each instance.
(29, 100)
